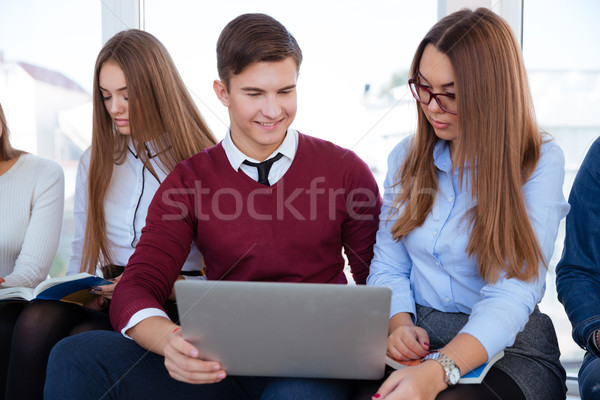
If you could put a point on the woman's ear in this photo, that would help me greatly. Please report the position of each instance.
(221, 92)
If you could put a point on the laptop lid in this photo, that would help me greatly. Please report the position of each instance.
(287, 329)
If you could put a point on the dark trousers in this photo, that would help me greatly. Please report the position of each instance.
(589, 378)
(107, 365)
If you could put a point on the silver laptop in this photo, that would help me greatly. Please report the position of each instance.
(300, 330)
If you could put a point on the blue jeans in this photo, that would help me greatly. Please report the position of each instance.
(106, 365)
(589, 378)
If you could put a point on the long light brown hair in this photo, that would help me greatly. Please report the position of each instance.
(498, 140)
(7, 152)
(160, 109)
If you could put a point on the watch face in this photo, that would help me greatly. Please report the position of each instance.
(453, 376)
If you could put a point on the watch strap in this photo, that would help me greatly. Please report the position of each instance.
(451, 370)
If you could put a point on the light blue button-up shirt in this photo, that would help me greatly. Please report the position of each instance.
(430, 266)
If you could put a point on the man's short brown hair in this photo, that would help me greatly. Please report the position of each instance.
(253, 38)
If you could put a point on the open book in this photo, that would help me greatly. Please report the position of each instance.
(475, 376)
(70, 288)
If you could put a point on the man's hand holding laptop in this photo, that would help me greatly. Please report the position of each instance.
(181, 357)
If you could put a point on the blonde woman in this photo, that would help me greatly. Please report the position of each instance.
(144, 123)
(31, 211)
(471, 211)
(31, 199)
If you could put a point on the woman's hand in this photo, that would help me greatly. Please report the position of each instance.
(181, 360)
(408, 342)
(107, 291)
(421, 382)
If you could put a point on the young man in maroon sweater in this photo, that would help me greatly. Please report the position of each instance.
(288, 222)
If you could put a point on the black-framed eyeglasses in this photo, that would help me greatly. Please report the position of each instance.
(446, 101)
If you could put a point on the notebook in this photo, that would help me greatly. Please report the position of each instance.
(301, 330)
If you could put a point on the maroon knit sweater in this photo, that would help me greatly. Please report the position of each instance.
(293, 231)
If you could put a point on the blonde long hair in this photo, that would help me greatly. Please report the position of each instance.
(160, 109)
(498, 139)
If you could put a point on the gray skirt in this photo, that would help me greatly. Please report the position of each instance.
(532, 361)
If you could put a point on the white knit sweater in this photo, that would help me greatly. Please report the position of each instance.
(31, 212)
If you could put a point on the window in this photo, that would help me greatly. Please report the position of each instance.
(564, 74)
(352, 84)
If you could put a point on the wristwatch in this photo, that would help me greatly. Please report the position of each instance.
(450, 368)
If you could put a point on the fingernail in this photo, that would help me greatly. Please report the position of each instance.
(98, 289)
(216, 367)
(221, 375)
(376, 396)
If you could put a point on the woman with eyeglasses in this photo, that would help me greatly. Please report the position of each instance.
(471, 211)
(144, 123)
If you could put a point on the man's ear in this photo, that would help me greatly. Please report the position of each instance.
(221, 92)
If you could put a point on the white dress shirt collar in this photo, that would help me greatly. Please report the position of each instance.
(288, 148)
(153, 147)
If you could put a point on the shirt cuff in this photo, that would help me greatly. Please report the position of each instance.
(142, 315)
